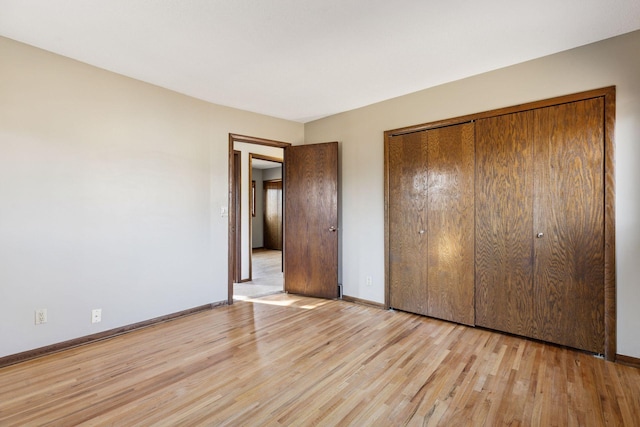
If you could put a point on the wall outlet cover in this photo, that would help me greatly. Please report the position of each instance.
(96, 315)
(41, 316)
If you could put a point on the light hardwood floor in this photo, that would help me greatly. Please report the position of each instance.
(290, 360)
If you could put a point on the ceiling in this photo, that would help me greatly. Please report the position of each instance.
(302, 59)
(264, 164)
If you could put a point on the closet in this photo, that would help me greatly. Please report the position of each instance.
(540, 224)
(431, 222)
(504, 220)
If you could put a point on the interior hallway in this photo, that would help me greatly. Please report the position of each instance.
(267, 275)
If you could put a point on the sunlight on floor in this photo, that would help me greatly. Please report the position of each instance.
(283, 300)
(316, 305)
(262, 301)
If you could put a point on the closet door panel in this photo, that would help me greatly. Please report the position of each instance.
(504, 223)
(408, 222)
(450, 223)
(569, 214)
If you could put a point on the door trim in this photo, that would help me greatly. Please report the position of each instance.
(609, 95)
(231, 241)
(235, 218)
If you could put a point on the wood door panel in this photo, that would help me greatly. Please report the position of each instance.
(273, 215)
(542, 167)
(504, 223)
(408, 222)
(450, 223)
(569, 211)
(311, 209)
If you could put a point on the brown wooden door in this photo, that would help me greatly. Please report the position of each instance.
(569, 218)
(407, 166)
(273, 215)
(540, 224)
(450, 223)
(311, 220)
(504, 223)
(431, 221)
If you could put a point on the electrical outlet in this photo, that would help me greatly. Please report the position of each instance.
(96, 315)
(41, 316)
(369, 281)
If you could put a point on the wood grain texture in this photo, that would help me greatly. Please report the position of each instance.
(608, 95)
(88, 339)
(450, 223)
(236, 217)
(311, 209)
(387, 244)
(408, 250)
(569, 211)
(291, 360)
(231, 224)
(431, 222)
(608, 92)
(628, 360)
(610, 310)
(273, 215)
(368, 303)
(504, 223)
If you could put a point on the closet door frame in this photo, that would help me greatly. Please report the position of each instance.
(609, 285)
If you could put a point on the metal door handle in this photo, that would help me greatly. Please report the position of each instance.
(539, 235)
(332, 228)
(421, 232)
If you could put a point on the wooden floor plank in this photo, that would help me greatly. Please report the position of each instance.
(291, 360)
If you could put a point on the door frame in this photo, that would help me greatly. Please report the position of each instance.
(609, 95)
(235, 218)
(232, 235)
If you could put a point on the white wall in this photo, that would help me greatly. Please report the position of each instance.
(246, 149)
(272, 173)
(610, 62)
(110, 197)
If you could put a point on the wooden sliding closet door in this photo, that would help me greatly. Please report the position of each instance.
(569, 225)
(408, 222)
(540, 224)
(504, 222)
(431, 222)
(450, 223)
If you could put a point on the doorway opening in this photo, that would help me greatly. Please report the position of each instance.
(252, 162)
(310, 216)
(266, 229)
